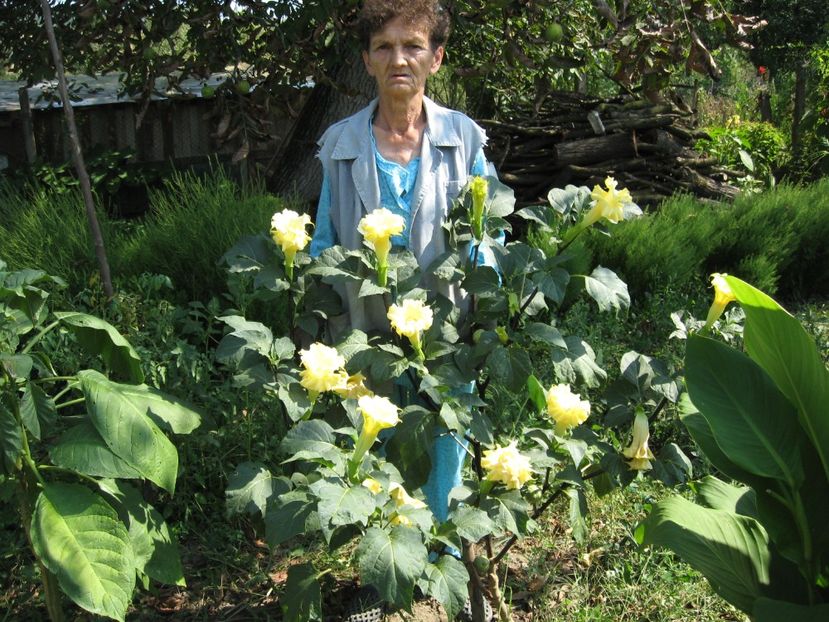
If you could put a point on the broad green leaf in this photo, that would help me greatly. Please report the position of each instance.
(294, 399)
(168, 412)
(248, 490)
(552, 283)
(608, 290)
(127, 431)
(545, 334)
(246, 336)
(472, 523)
(510, 366)
(36, 407)
(701, 432)
(250, 254)
(17, 365)
(753, 423)
(287, 517)
(481, 280)
(578, 513)
(500, 199)
(342, 504)
(409, 448)
(719, 495)
(577, 363)
(648, 373)
(82, 449)
(538, 394)
(508, 511)
(155, 552)
(302, 598)
(80, 539)
(11, 439)
(313, 441)
(768, 610)
(446, 267)
(446, 581)
(99, 337)
(780, 345)
(731, 551)
(392, 561)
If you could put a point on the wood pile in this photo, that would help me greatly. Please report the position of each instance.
(578, 140)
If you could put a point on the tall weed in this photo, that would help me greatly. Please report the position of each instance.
(48, 230)
(775, 240)
(192, 221)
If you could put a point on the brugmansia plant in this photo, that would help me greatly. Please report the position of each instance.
(89, 527)
(471, 324)
(762, 419)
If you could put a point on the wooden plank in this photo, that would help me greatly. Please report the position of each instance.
(27, 126)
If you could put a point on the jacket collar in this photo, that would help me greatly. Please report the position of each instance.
(354, 139)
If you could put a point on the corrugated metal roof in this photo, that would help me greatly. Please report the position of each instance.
(94, 91)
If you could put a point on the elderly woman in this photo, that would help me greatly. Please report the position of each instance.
(407, 154)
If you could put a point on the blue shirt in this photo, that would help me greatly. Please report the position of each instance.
(396, 185)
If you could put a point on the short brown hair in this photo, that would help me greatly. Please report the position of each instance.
(375, 14)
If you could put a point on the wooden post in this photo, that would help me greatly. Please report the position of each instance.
(28, 126)
(77, 154)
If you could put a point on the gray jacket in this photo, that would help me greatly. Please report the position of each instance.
(450, 143)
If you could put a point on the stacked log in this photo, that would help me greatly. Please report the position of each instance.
(578, 140)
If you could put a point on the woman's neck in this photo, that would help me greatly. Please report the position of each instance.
(400, 117)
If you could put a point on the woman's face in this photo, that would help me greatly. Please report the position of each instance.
(400, 58)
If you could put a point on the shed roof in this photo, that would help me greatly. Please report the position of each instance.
(95, 91)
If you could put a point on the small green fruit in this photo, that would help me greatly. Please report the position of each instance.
(554, 33)
(243, 87)
(481, 564)
(208, 91)
(503, 337)
(476, 336)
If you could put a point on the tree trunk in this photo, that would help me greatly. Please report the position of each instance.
(77, 154)
(799, 107)
(296, 171)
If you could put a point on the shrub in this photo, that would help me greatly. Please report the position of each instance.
(776, 239)
(755, 147)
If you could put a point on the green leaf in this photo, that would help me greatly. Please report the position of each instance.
(745, 158)
(392, 561)
(545, 335)
(312, 441)
(608, 290)
(342, 504)
(302, 598)
(408, 449)
(472, 523)
(753, 423)
(768, 610)
(287, 517)
(510, 366)
(17, 365)
(731, 551)
(481, 280)
(701, 432)
(127, 431)
(578, 513)
(250, 254)
(719, 495)
(780, 345)
(577, 363)
(508, 511)
(36, 407)
(99, 337)
(446, 581)
(168, 412)
(80, 539)
(156, 553)
(248, 490)
(11, 440)
(552, 283)
(538, 394)
(82, 449)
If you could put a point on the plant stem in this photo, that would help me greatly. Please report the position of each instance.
(43, 332)
(71, 402)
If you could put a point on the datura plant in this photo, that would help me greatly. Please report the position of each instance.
(364, 409)
(79, 447)
(762, 419)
